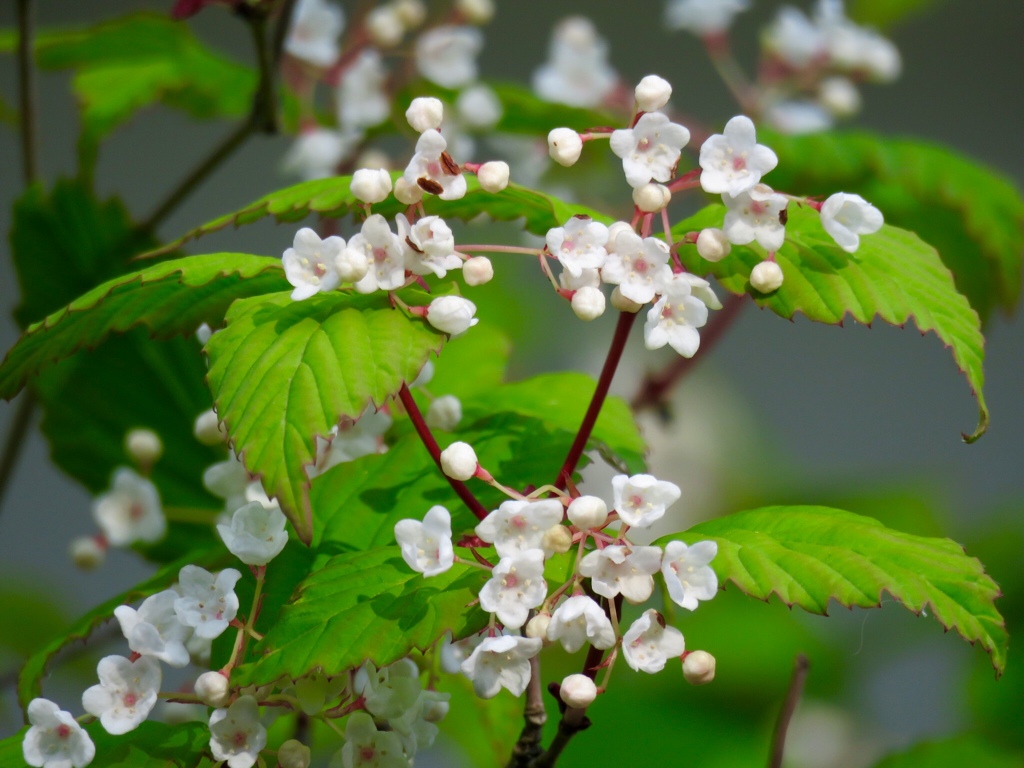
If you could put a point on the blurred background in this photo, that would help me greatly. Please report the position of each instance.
(868, 419)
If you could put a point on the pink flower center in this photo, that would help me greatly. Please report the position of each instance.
(517, 522)
(63, 731)
(640, 266)
(135, 511)
(739, 163)
(638, 500)
(380, 255)
(511, 580)
(666, 313)
(367, 753)
(643, 145)
(129, 699)
(319, 269)
(757, 208)
(239, 739)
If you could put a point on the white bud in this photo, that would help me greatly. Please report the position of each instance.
(424, 376)
(588, 512)
(436, 711)
(143, 446)
(293, 754)
(444, 413)
(351, 265)
(578, 691)
(87, 553)
(564, 146)
(203, 333)
(477, 270)
(411, 12)
(623, 304)
(651, 197)
(493, 176)
(208, 430)
(476, 11)
(766, 277)
(614, 230)
(652, 93)
(385, 27)
(452, 314)
(538, 626)
(458, 461)
(373, 158)
(425, 113)
(479, 107)
(699, 667)
(213, 689)
(712, 244)
(370, 185)
(588, 303)
(407, 193)
(557, 539)
(839, 96)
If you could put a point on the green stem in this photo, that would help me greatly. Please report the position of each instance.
(796, 686)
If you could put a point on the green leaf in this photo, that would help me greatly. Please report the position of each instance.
(30, 680)
(957, 752)
(525, 112)
(887, 13)
(486, 730)
(893, 275)
(170, 298)
(811, 555)
(972, 215)
(283, 372)
(485, 352)
(364, 605)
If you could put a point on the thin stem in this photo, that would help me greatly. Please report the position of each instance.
(500, 249)
(796, 686)
(284, 20)
(611, 363)
(16, 435)
(27, 93)
(435, 452)
(238, 651)
(528, 747)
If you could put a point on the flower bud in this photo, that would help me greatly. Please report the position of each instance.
(384, 26)
(479, 107)
(652, 93)
(293, 754)
(411, 12)
(371, 186)
(557, 539)
(588, 512)
(538, 626)
(699, 667)
(407, 193)
(578, 691)
(203, 333)
(712, 244)
(476, 11)
(351, 265)
(839, 96)
(493, 176)
(652, 197)
(614, 230)
(766, 277)
(565, 146)
(623, 304)
(588, 303)
(208, 430)
(452, 314)
(213, 689)
(436, 710)
(444, 413)
(88, 552)
(424, 376)
(144, 447)
(477, 270)
(458, 461)
(425, 113)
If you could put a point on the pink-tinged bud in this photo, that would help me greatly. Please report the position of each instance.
(88, 552)
(477, 271)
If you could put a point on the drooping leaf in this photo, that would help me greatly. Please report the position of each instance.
(170, 298)
(956, 752)
(894, 275)
(364, 605)
(810, 555)
(972, 215)
(283, 372)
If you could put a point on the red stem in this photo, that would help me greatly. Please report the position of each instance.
(435, 452)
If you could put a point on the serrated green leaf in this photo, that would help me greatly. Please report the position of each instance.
(364, 605)
(284, 372)
(170, 298)
(957, 752)
(894, 275)
(810, 555)
(972, 215)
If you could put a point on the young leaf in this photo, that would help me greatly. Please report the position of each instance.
(894, 275)
(170, 298)
(364, 605)
(811, 555)
(284, 372)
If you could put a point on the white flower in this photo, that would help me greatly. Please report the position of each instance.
(756, 215)
(55, 739)
(794, 38)
(228, 480)
(313, 34)
(856, 48)
(516, 585)
(433, 169)
(846, 217)
(639, 267)
(236, 734)
(619, 569)
(453, 653)
(519, 525)
(351, 440)
(447, 55)
(452, 314)
(587, 512)
(130, 511)
(479, 107)
(309, 263)
(580, 620)
(444, 413)
(687, 574)
(733, 161)
(154, 629)
(766, 276)
(712, 244)
(425, 113)
(366, 747)
(208, 603)
(588, 278)
(642, 499)
(795, 117)
(427, 546)
(703, 17)
(578, 691)
(126, 693)
(429, 245)
(388, 691)
(652, 93)
(650, 149)
(577, 72)
(579, 245)
(501, 662)
(477, 270)
(371, 185)
(839, 96)
(674, 320)
(316, 153)
(256, 534)
(588, 303)
(384, 254)
(362, 99)
(493, 176)
(649, 643)
(385, 26)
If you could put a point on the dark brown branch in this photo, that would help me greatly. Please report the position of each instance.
(528, 748)
(16, 434)
(796, 687)
(27, 93)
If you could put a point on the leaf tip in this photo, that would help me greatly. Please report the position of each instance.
(982, 428)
